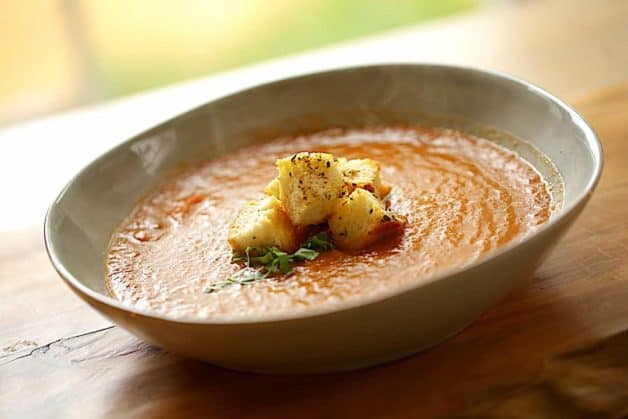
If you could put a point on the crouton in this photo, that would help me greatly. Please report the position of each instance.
(310, 185)
(272, 189)
(362, 173)
(264, 223)
(361, 219)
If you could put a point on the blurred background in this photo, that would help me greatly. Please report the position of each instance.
(59, 54)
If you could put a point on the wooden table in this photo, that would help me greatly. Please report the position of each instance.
(60, 359)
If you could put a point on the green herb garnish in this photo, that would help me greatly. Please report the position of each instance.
(259, 263)
(320, 241)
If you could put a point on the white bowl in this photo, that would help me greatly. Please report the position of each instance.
(81, 219)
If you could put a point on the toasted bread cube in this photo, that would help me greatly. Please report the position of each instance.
(310, 185)
(361, 219)
(263, 223)
(362, 173)
(272, 189)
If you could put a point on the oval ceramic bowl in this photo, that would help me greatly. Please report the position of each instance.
(80, 221)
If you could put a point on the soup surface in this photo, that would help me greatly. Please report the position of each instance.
(463, 196)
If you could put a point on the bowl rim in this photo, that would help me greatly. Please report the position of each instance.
(87, 293)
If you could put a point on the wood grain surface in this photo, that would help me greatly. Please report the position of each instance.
(591, 382)
(58, 358)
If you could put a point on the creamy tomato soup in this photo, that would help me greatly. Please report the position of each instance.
(463, 196)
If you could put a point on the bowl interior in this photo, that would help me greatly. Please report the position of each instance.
(82, 218)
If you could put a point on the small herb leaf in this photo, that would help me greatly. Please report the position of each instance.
(305, 254)
(260, 263)
(284, 263)
(320, 241)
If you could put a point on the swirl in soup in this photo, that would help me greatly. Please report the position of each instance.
(460, 196)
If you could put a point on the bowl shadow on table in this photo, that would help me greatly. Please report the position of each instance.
(504, 347)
